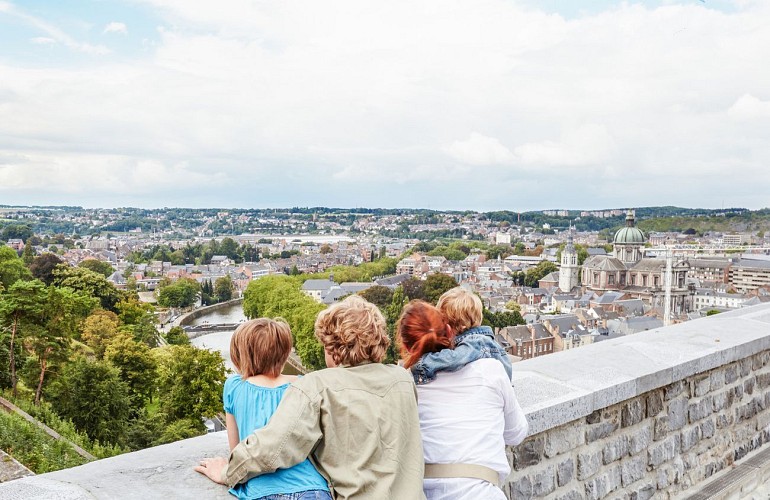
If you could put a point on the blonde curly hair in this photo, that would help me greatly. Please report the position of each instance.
(353, 332)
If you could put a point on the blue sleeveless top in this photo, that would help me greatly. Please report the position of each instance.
(252, 406)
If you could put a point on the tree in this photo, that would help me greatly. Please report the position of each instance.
(436, 285)
(12, 268)
(535, 274)
(99, 329)
(392, 313)
(224, 288)
(182, 293)
(190, 382)
(28, 255)
(325, 249)
(43, 265)
(513, 306)
(177, 336)
(17, 231)
(414, 289)
(50, 342)
(98, 266)
(131, 311)
(502, 319)
(229, 248)
(89, 283)
(273, 296)
(20, 308)
(137, 366)
(380, 296)
(144, 330)
(92, 395)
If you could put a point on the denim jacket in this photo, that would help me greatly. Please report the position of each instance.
(472, 344)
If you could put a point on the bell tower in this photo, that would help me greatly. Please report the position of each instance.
(568, 272)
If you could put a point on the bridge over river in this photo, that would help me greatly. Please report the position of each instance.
(213, 330)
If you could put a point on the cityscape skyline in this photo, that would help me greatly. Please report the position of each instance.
(517, 105)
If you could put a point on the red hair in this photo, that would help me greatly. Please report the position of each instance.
(422, 329)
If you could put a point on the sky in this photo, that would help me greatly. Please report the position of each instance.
(442, 104)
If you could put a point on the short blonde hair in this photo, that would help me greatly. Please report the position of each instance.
(352, 332)
(261, 347)
(462, 308)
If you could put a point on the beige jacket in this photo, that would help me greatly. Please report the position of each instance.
(359, 425)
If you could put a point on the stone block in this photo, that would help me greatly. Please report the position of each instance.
(731, 373)
(632, 470)
(660, 428)
(603, 484)
(689, 437)
(746, 411)
(632, 412)
(700, 410)
(763, 380)
(707, 428)
(600, 431)
(673, 389)
(744, 367)
(719, 401)
(654, 403)
(717, 379)
(640, 440)
(521, 487)
(569, 495)
(565, 471)
(738, 392)
(544, 481)
(677, 413)
(594, 418)
(615, 449)
(700, 385)
(564, 438)
(663, 451)
(644, 492)
(588, 464)
(748, 385)
(528, 453)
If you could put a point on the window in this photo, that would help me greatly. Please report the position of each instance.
(644, 280)
(596, 279)
(656, 281)
(622, 278)
(611, 279)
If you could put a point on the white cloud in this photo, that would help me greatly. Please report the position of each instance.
(52, 31)
(42, 40)
(115, 27)
(335, 95)
(480, 150)
(749, 107)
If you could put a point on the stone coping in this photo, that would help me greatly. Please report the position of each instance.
(159, 472)
(564, 386)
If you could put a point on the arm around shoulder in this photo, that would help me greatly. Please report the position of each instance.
(286, 440)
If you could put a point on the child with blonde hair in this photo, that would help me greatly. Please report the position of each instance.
(463, 311)
(259, 348)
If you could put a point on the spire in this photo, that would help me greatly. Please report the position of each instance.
(630, 218)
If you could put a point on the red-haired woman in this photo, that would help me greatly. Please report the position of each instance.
(467, 416)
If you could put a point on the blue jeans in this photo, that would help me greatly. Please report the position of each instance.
(300, 495)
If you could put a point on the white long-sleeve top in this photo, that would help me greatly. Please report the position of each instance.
(468, 416)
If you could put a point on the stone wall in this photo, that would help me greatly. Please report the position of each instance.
(662, 441)
(665, 440)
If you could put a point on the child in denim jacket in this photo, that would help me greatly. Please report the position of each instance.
(463, 311)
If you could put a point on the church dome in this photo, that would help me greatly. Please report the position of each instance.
(629, 235)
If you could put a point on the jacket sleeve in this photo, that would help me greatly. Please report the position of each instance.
(288, 438)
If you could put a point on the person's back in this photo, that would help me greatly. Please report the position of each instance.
(251, 406)
(467, 417)
(370, 445)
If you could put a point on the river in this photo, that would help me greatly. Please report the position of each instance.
(220, 341)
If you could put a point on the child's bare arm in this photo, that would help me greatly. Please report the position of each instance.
(232, 431)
